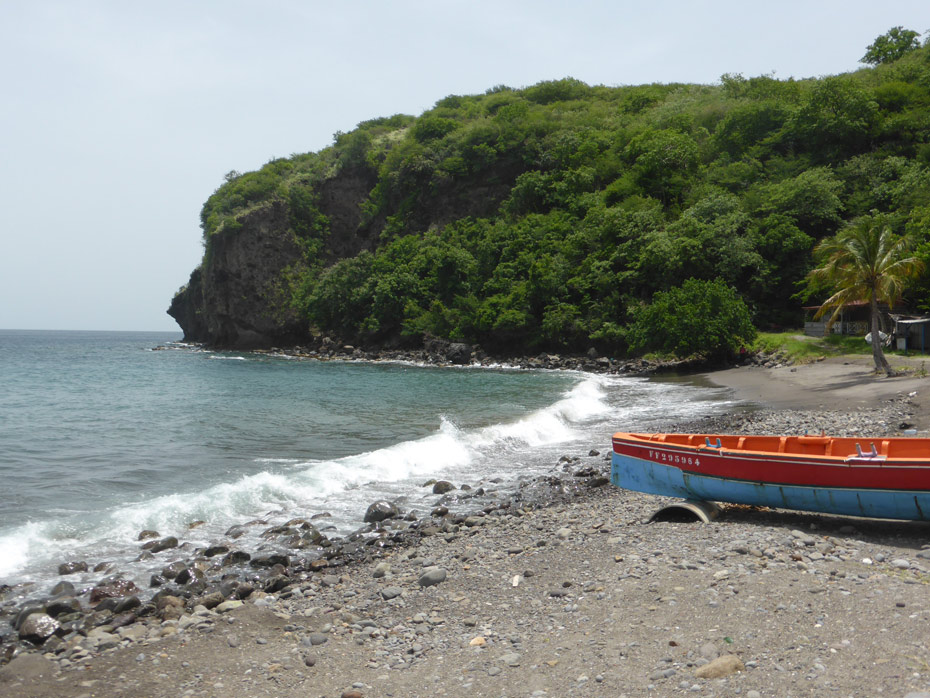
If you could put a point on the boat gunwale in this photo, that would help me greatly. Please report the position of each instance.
(851, 460)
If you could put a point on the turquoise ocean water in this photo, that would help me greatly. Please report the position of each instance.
(104, 434)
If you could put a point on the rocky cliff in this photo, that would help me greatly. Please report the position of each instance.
(239, 297)
(236, 299)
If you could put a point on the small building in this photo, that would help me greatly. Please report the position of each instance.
(855, 319)
(912, 334)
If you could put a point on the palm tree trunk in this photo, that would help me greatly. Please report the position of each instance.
(881, 363)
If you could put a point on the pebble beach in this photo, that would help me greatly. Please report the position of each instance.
(564, 588)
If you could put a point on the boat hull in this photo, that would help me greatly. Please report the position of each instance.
(821, 485)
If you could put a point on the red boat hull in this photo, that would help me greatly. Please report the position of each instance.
(888, 478)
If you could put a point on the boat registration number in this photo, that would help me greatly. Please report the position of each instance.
(663, 457)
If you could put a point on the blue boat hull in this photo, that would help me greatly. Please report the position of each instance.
(670, 481)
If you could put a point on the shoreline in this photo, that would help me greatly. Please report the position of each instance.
(845, 384)
(536, 568)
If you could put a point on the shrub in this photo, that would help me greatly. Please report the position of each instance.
(706, 318)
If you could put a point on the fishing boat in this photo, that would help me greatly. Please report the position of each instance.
(885, 478)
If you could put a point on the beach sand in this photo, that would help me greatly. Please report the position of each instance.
(845, 384)
(585, 598)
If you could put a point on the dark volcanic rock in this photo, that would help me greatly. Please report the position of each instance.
(173, 570)
(156, 546)
(269, 561)
(236, 557)
(63, 588)
(121, 587)
(127, 604)
(38, 627)
(72, 567)
(62, 605)
(442, 487)
(188, 575)
(459, 353)
(381, 510)
(276, 583)
(236, 531)
(234, 300)
(211, 600)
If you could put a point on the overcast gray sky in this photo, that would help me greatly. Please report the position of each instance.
(118, 119)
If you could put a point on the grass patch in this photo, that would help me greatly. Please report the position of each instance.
(800, 348)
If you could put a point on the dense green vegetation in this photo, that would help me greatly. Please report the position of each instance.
(563, 216)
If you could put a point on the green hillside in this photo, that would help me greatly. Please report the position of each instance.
(546, 217)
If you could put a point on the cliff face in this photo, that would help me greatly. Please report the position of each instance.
(238, 299)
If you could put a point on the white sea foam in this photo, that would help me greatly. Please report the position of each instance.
(15, 548)
(345, 486)
(314, 485)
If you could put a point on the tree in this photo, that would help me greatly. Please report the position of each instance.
(836, 119)
(865, 261)
(891, 45)
(698, 318)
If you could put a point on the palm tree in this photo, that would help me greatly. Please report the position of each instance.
(865, 261)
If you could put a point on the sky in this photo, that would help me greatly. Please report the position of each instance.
(118, 119)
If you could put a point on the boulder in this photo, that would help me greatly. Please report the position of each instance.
(188, 575)
(236, 557)
(236, 531)
(63, 588)
(389, 593)
(173, 570)
(38, 627)
(72, 567)
(63, 605)
(381, 510)
(270, 560)
(432, 576)
(276, 584)
(163, 600)
(442, 487)
(156, 546)
(126, 604)
(26, 667)
(211, 600)
(117, 589)
(459, 353)
(227, 606)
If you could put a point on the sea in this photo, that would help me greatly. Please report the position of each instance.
(106, 434)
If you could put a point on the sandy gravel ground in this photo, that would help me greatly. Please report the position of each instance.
(582, 599)
(831, 384)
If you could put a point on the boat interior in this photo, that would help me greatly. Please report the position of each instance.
(830, 446)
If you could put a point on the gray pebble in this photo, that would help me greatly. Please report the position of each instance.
(432, 576)
(389, 593)
(511, 659)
